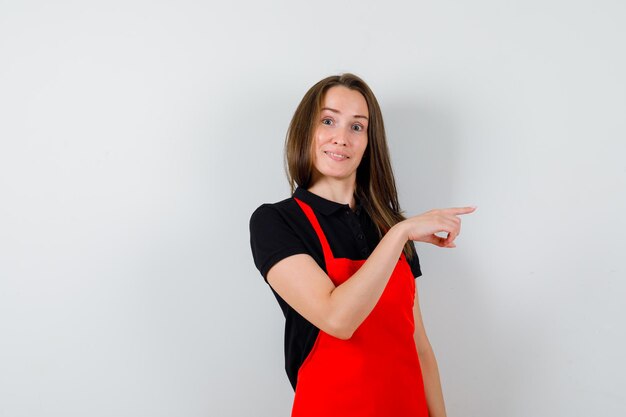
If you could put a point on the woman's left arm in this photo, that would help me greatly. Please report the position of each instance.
(428, 363)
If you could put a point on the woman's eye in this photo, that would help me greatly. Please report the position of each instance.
(358, 128)
(326, 121)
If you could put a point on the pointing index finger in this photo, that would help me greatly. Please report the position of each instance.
(462, 210)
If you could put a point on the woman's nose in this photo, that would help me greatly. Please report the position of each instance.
(339, 139)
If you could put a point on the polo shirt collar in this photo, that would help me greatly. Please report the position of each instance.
(321, 204)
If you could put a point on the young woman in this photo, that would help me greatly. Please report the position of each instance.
(340, 259)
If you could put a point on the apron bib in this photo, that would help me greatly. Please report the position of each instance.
(376, 373)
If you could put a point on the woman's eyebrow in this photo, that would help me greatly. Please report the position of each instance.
(337, 111)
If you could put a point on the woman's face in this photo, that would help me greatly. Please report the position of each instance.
(340, 136)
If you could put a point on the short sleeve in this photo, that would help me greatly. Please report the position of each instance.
(271, 238)
(415, 263)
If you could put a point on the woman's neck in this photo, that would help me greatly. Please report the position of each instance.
(335, 190)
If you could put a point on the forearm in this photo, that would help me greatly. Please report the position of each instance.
(432, 383)
(353, 300)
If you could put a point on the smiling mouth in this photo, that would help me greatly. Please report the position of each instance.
(336, 156)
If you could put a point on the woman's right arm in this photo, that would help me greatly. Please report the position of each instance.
(340, 310)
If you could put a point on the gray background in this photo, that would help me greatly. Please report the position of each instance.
(137, 137)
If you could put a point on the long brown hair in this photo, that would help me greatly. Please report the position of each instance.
(375, 183)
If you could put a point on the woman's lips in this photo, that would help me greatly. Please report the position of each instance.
(336, 156)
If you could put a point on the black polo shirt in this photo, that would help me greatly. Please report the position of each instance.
(282, 229)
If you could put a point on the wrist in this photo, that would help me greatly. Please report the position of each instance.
(400, 229)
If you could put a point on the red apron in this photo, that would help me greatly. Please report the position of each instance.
(376, 373)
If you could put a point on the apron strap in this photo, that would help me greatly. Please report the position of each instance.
(308, 211)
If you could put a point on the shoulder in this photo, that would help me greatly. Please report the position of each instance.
(275, 233)
(268, 213)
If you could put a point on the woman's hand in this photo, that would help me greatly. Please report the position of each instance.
(423, 227)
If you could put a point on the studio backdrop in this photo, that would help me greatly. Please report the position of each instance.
(137, 137)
